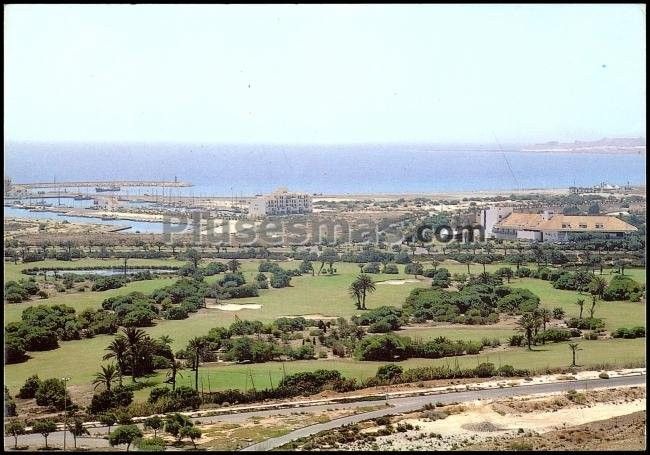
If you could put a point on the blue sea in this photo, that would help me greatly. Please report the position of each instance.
(227, 170)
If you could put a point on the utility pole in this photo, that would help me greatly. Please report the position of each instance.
(65, 407)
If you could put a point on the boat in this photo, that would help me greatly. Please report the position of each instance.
(81, 197)
(108, 218)
(102, 189)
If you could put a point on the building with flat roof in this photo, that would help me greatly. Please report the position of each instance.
(280, 202)
(548, 226)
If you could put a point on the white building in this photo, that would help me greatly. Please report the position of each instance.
(548, 226)
(280, 202)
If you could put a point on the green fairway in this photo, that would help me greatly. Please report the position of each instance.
(326, 295)
(616, 314)
(81, 364)
(475, 333)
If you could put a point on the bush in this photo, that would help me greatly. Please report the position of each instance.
(558, 312)
(28, 390)
(485, 370)
(586, 323)
(524, 272)
(391, 269)
(634, 332)
(603, 375)
(153, 444)
(105, 400)
(389, 372)
(516, 340)
(622, 288)
(379, 327)
(554, 335)
(52, 393)
(382, 347)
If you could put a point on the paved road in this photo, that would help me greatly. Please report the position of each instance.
(402, 405)
(398, 405)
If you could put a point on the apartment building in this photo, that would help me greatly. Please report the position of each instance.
(280, 202)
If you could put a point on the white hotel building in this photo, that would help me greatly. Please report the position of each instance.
(280, 202)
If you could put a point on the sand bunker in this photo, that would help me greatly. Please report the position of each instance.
(397, 282)
(234, 306)
(314, 317)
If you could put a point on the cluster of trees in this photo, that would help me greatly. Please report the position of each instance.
(50, 393)
(634, 332)
(40, 329)
(394, 347)
(20, 291)
(475, 303)
(380, 320)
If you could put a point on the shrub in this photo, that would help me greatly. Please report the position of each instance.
(391, 269)
(29, 388)
(603, 375)
(586, 323)
(558, 312)
(621, 288)
(379, 327)
(516, 340)
(154, 444)
(382, 347)
(634, 332)
(52, 393)
(485, 370)
(389, 372)
(105, 400)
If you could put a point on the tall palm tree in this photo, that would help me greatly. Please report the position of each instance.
(366, 286)
(134, 338)
(197, 346)
(174, 370)
(598, 286)
(581, 304)
(119, 350)
(574, 347)
(356, 293)
(527, 324)
(106, 376)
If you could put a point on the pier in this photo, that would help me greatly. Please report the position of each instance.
(103, 184)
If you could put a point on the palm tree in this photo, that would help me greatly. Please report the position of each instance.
(527, 324)
(197, 346)
(592, 309)
(174, 370)
(545, 317)
(119, 350)
(106, 376)
(356, 293)
(597, 286)
(134, 338)
(366, 286)
(574, 347)
(166, 339)
(581, 304)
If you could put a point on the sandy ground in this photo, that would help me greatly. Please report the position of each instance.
(233, 306)
(459, 426)
(397, 282)
(313, 317)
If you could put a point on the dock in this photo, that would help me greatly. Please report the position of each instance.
(103, 184)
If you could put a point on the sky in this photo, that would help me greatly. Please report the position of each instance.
(324, 74)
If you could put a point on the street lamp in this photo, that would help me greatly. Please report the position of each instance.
(65, 407)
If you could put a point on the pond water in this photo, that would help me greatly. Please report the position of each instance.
(107, 272)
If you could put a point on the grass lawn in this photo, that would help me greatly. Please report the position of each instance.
(476, 333)
(616, 314)
(616, 352)
(326, 295)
